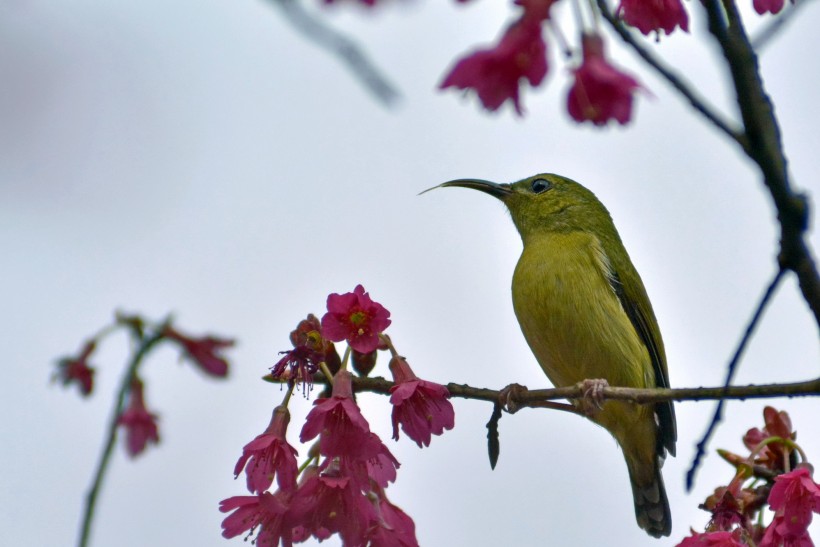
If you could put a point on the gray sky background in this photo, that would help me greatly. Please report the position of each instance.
(202, 158)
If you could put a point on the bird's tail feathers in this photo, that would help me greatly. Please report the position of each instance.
(651, 505)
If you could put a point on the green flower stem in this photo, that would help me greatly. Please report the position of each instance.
(91, 498)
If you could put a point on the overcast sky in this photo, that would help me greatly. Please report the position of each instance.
(202, 158)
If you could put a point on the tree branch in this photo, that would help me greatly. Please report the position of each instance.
(534, 398)
(341, 46)
(764, 146)
(730, 373)
(697, 102)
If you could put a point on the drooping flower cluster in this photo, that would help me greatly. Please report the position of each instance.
(763, 478)
(341, 487)
(600, 91)
(140, 425)
(72, 370)
(204, 351)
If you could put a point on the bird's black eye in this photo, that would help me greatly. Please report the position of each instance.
(540, 185)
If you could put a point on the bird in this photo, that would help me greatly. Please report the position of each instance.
(586, 316)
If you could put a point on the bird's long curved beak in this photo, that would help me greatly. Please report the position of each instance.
(495, 189)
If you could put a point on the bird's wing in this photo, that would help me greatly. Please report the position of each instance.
(635, 303)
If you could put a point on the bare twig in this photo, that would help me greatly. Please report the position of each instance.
(341, 46)
(777, 25)
(730, 372)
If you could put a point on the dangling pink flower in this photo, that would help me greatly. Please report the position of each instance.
(270, 456)
(536, 10)
(140, 425)
(778, 535)
(600, 92)
(654, 15)
(78, 370)
(421, 407)
(330, 502)
(392, 528)
(768, 6)
(203, 351)
(344, 431)
(794, 497)
(266, 511)
(355, 317)
(495, 74)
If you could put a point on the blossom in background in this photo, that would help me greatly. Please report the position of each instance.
(768, 6)
(77, 370)
(600, 92)
(269, 455)
(419, 406)
(495, 74)
(655, 15)
(202, 351)
(536, 10)
(355, 317)
(264, 511)
(140, 425)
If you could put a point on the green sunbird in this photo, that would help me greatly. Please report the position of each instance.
(585, 314)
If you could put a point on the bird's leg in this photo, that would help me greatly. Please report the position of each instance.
(593, 399)
(509, 396)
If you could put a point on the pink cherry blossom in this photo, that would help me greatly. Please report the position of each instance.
(140, 425)
(711, 539)
(77, 370)
(600, 92)
(355, 317)
(329, 502)
(654, 15)
(344, 431)
(392, 528)
(203, 351)
(768, 6)
(269, 455)
(495, 74)
(264, 511)
(419, 406)
(794, 497)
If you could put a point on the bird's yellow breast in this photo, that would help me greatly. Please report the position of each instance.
(571, 316)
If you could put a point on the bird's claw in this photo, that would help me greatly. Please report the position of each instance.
(509, 396)
(593, 399)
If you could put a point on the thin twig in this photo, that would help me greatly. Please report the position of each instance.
(111, 437)
(685, 89)
(341, 46)
(730, 373)
(777, 25)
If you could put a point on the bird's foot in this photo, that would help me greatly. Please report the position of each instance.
(509, 396)
(593, 399)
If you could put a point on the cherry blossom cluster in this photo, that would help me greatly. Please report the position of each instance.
(340, 487)
(769, 477)
(141, 425)
(599, 91)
